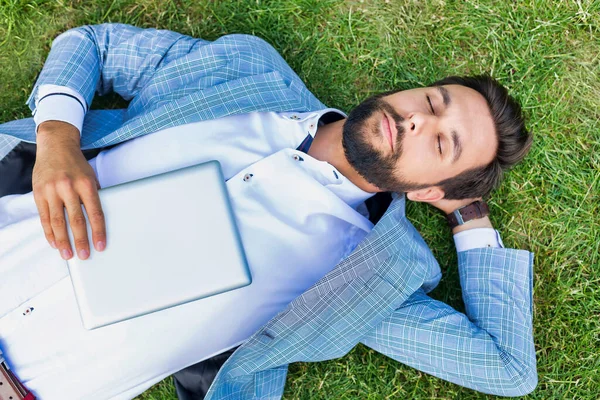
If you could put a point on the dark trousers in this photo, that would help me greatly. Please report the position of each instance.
(17, 166)
(193, 382)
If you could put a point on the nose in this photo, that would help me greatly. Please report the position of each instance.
(418, 123)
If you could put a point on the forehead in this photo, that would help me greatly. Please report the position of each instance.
(469, 115)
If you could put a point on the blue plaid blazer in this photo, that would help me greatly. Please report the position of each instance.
(378, 295)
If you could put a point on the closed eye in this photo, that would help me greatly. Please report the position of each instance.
(439, 144)
(430, 105)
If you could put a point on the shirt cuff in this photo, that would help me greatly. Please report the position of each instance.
(477, 238)
(59, 103)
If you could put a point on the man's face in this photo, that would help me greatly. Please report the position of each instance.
(415, 138)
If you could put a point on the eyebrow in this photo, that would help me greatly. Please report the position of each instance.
(445, 95)
(457, 146)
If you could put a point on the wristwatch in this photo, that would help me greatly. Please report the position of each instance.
(475, 210)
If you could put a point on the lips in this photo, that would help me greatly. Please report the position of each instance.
(387, 130)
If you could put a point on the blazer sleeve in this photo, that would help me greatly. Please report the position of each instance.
(490, 348)
(111, 58)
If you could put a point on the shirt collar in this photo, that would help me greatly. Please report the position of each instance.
(349, 192)
(313, 119)
(346, 191)
(324, 117)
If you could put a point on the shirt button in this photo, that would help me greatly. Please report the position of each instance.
(294, 117)
(247, 177)
(296, 157)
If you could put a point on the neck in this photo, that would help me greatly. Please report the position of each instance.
(327, 146)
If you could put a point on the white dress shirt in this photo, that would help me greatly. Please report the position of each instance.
(297, 218)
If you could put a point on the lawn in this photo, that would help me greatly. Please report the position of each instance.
(545, 51)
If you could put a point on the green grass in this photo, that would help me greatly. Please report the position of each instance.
(545, 51)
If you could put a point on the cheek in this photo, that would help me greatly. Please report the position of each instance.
(416, 163)
(414, 151)
(403, 102)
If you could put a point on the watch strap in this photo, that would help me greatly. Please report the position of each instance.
(475, 210)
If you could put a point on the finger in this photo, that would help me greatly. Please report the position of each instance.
(44, 212)
(78, 224)
(93, 208)
(59, 226)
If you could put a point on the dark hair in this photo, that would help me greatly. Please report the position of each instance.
(514, 140)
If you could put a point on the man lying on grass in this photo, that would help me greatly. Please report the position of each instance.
(298, 173)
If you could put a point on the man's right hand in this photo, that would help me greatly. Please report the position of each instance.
(62, 178)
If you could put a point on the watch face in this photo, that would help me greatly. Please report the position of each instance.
(455, 218)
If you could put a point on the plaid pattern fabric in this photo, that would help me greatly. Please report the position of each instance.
(7, 143)
(171, 79)
(489, 349)
(377, 295)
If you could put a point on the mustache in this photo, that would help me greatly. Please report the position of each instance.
(385, 106)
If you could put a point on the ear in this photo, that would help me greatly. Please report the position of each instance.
(427, 195)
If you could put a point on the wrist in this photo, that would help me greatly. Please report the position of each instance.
(59, 133)
(473, 224)
(475, 210)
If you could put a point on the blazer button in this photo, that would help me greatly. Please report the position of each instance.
(247, 177)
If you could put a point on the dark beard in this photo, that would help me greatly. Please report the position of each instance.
(358, 136)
